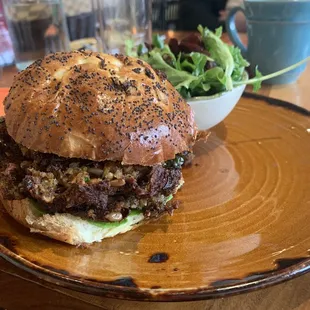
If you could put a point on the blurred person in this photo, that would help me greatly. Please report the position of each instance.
(204, 12)
(239, 18)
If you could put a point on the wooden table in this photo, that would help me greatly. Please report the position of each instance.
(19, 290)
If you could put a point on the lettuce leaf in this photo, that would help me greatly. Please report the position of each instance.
(199, 63)
(219, 68)
(158, 41)
(115, 224)
(240, 63)
(220, 52)
(130, 48)
(39, 212)
(176, 77)
(189, 72)
(257, 84)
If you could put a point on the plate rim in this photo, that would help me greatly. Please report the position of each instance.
(277, 102)
(155, 295)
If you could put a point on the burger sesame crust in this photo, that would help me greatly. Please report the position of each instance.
(98, 107)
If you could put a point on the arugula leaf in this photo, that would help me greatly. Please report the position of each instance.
(141, 49)
(220, 52)
(194, 63)
(213, 75)
(176, 77)
(206, 87)
(144, 57)
(158, 41)
(240, 63)
(259, 78)
(188, 72)
(187, 66)
(38, 211)
(212, 80)
(199, 89)
(237, 56)
(198, 86)
(258, 84)
(165, 50)
(178, 64)
(186, 83)
(199, 61)
(219, 31)
(216, 78)
(132, 50)
(129, 48)
(185, 93)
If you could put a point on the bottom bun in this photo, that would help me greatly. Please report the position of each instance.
(66, 227)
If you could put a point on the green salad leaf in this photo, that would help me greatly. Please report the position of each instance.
(40, 212)
(259, 78)
(240, 64)
(129, 48)
(218, 32)
(158, 41)
(114, 224)
(199, 63)
(257, 85)
(195, 73)
(220, 52)
(177, 78)
(218, 68)
(37, 210)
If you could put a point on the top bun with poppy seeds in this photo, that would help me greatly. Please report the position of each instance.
(99, 107)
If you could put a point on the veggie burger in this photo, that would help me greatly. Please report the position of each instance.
(92, 145)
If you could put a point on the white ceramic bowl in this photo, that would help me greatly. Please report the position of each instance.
(209, 111)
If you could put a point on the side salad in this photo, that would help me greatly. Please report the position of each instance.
(201, 64)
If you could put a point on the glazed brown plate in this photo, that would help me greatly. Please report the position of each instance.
(243, 222)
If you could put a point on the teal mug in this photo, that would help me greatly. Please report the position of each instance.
(278, 35)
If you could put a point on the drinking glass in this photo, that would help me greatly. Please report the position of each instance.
(81, 21)
(6, 52)
(123, 20)
(36, 27)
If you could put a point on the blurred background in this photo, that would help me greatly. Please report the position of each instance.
(34, 28)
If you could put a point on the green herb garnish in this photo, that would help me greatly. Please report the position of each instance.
(175, 163)
(259, 78)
